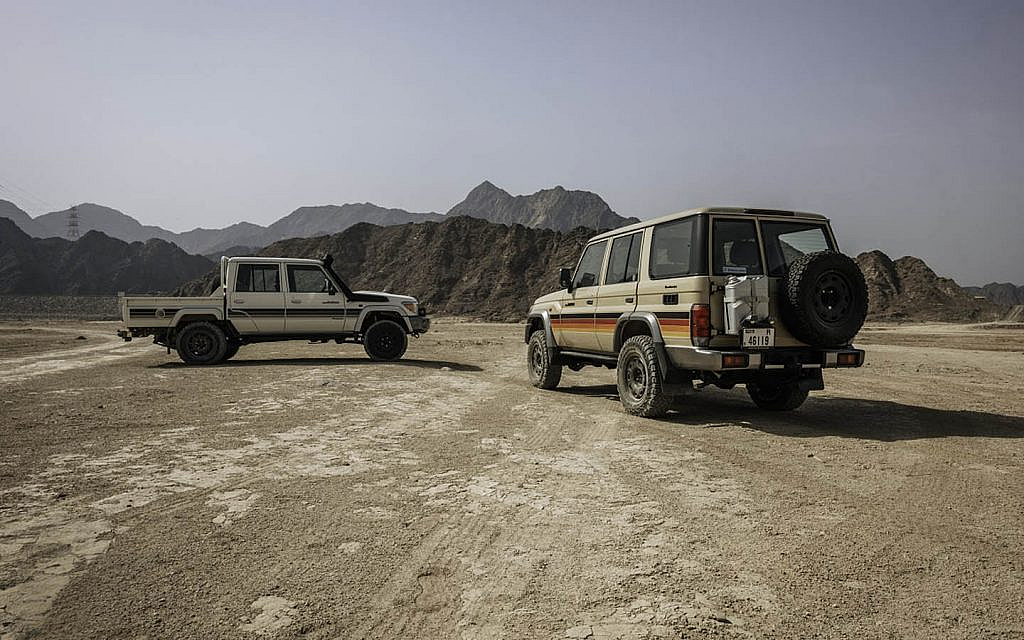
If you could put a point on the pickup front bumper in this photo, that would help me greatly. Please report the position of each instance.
(419, 324)
(698, 359)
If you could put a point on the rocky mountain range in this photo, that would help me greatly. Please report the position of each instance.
(907, 289)
(999, 292)
(555, 208)
(93, 265)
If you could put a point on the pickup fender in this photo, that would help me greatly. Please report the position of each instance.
(215, 312)
(391, 309)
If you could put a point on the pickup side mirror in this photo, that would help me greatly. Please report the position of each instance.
(565, 278)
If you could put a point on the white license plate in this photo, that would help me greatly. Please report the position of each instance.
(758, 338)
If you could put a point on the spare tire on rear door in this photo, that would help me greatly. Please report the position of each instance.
(824, 299)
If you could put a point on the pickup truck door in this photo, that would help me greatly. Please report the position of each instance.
(314, 305)
(256, 298)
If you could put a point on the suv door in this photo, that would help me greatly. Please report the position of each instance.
(314, 305)
(674, 276)
(256, 301)
(575, 324)
(617, 293)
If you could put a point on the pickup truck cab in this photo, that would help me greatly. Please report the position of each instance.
(273, 299)
(719, 295)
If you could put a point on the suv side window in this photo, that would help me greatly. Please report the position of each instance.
(735, 250)
(306, 279)
(624, 261)
(258, 278)
(675, 249)
(589, 269)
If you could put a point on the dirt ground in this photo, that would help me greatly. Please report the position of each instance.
(301, 491)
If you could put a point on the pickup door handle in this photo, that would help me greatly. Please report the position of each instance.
(238, 301)
(570, 304)
(294, 301)
(331, 302)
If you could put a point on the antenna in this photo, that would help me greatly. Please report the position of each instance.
(73, 232)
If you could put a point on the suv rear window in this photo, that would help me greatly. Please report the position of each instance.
(735, 249)
(784, 242)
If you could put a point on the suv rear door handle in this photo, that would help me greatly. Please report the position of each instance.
(590, 302)
(629, 299)
(294, 301)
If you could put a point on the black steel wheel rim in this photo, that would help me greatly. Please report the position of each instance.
(635, 374)
(200, 344)
(833, 297)
(385, 344)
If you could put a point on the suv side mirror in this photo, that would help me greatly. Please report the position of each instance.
(331, 291)
(565, 278)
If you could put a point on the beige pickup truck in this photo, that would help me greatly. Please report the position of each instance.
(273, 299)
(721, 296)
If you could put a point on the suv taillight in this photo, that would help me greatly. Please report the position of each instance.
(700, 325)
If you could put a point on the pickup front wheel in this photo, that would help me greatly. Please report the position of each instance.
(201, 343)
(385, 340)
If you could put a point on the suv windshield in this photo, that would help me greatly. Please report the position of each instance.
(784, 242)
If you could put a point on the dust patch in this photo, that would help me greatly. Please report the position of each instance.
(275, 613)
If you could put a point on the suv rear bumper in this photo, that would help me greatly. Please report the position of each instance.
(770, 359)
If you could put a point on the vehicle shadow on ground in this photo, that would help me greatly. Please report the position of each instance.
(316, 362)
(829, 416)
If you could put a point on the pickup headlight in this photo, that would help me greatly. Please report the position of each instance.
(410, 307)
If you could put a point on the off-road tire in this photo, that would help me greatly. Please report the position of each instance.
(824, 299)
(545, 369)
(778, 397)
(640, 383)
(201, 343)
(385, 341)
(232, 350)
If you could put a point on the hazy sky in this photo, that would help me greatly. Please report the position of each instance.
(903, 121)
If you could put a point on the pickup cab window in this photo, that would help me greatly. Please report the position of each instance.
(258, 278)
(307, 279)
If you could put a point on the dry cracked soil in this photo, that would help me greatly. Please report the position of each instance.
(302, 491)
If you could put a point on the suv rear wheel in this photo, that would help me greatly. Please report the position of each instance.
(545, 370)
(641, 386)
(385, 340)
(201, 343)
(777, 397)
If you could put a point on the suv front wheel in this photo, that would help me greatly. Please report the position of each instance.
(641, 385)
(545, 371)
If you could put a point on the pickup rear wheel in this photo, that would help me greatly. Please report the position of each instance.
(201, 343)
(385, 341)
(641, 385)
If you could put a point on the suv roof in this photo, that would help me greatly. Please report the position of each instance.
(275, 260)
(718, 210)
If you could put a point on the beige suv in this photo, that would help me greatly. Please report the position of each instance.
(721, 296)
